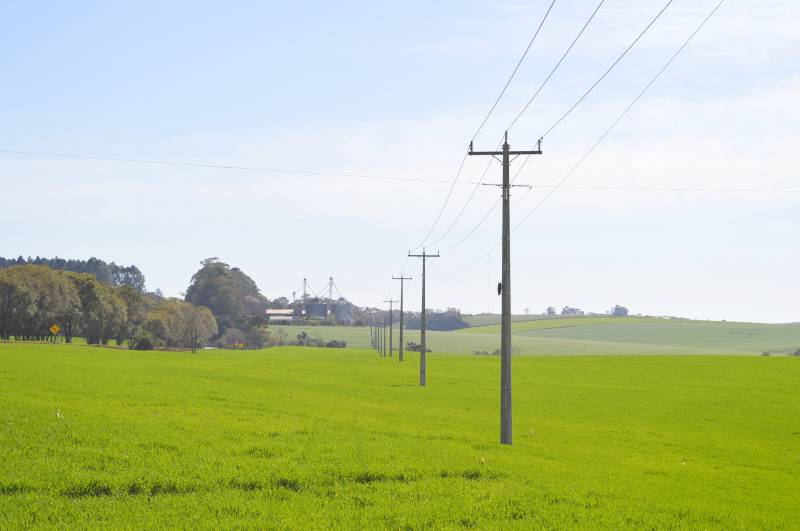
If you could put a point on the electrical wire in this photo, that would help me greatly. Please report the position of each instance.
(621, 116)
(602, 137)
(527, 105)
(610, 68)
(486, 118)
(558, 64)
(514, 73)
(101, 158)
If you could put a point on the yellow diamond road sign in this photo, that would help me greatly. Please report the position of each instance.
(54, 329)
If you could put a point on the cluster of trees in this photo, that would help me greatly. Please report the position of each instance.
(39, 303)
(111, 274)
(619, 311)
(450, 319)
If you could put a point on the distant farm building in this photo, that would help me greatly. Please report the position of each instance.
(311, 305)
(280, 316)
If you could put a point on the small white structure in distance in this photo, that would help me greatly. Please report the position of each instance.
(280, 315)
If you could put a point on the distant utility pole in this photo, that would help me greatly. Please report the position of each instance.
(391, 320)
(371, 331)
(402, 280)
(383, 333)
(422, 349)
(505, 286)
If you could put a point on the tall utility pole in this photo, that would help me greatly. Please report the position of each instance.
(422, 349)
(402, 280)
(383, 332)
(391, 325)
(505, 286)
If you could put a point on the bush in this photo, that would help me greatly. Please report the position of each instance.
(233, 338)
(142, 342)
(336, 344)
(413, 347)
(305, 340)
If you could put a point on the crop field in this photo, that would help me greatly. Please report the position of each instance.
(594, 335)
(295, 437)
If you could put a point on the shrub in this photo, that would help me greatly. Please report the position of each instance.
(413, 347)
(336, 344)
(143, 341)
(305, 340)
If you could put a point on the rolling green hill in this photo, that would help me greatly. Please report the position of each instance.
(596, 335)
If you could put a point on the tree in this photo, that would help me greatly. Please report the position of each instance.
(619, 311)
(137, 304)
(231, 295)
(199, 324)
(178, 324)
(111, 274)
(33, 299)
(551, 310)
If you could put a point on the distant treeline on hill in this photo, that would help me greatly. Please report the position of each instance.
(111, 274)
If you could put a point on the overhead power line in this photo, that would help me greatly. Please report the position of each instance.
(622, 115)
(514, 73)
(527, 105)
(255, 169)
(610, 68)
(480, 127)
(558, 64)
(602, 137)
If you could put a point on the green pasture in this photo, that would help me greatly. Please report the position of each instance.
(312, 438)
(593, 335)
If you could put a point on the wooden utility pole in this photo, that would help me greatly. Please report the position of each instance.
(391, 321)
(505, 286)
(402, 280)
(422, 348)
(383, 332)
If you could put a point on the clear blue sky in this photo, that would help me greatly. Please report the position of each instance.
(397, 89)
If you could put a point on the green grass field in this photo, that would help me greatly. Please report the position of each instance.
(340, 438)
(596, 335)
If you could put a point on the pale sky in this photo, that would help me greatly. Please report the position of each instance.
(397, 89)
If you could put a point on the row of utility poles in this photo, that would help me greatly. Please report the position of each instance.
(378, 329)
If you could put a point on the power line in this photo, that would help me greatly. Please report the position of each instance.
(466, 204)
(553, 71)
(546, 80)
(480, 127)
(602, 137)
(255, 169)
(610, 68)
(558, 64)
(621, 116)
(514, 73)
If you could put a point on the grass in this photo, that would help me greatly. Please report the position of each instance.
(595, 335)
(327, 438)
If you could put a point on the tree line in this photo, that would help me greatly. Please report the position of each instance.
(39, 303)
(112, 274)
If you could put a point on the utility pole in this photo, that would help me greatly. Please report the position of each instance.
(383, 332)
(422, 349)
(371, 331)
(391, 321)
(402, 280)
(505, 286)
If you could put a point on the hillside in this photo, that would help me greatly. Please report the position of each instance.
(596, 335)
